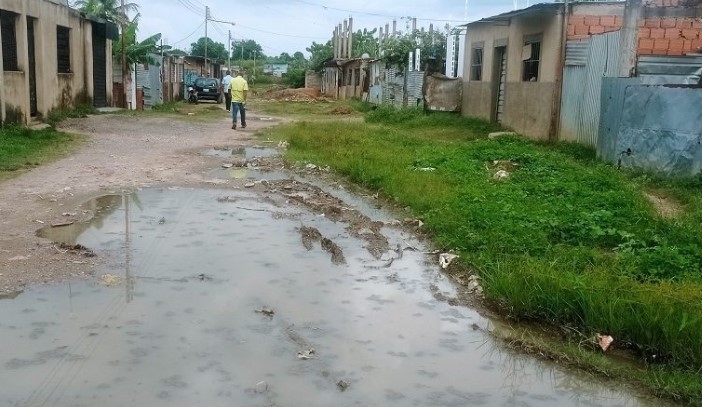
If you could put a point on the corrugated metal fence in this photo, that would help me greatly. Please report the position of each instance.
(585, 66)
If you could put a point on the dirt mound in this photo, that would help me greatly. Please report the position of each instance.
(292, 95)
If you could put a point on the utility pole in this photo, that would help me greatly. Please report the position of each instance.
(207, 17)
(229, 51)
(123, 19)
(253, 75)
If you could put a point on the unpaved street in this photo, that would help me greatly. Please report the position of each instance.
(122, 153)
(181, 264)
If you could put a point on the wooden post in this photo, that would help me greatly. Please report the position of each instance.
(629, 38)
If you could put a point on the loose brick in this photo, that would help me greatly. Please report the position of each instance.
(645, 43)
(672, 33)
(669, 22)
(652, 23)
(607, 20)
(592, 20)
(677, 45)
(661, 44)
(596, 29)
(581, 29)
(690, 34)
(684, 23)
(657, 33)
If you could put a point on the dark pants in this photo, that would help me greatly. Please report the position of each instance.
(228, 100)
(236, 107)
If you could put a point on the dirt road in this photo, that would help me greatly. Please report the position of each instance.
(122, 152)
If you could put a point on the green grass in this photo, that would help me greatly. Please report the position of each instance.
(319, 110)
(21, 148)
(565, 239)
(79, 111)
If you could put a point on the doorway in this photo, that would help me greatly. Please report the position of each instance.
(33, 105)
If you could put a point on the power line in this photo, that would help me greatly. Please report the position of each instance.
(190, 8)
(191, 34)
(280, 34)
(375, 14)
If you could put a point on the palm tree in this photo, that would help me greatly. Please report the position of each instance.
(110, 10)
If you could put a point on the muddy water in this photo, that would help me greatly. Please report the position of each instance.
(177, 325)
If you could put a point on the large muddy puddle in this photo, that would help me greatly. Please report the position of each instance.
(237, 298)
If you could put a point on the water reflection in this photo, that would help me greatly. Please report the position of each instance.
(183, 329)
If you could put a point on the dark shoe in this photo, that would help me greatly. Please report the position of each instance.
(243, 126)
(233, 126)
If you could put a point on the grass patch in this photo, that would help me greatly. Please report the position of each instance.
(56, 116)
(321, 109)
(22, 148)
(565, 239)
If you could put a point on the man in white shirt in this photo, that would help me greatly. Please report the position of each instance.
(227, 92)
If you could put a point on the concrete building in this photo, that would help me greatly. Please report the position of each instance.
(52, 56)
(514, 62)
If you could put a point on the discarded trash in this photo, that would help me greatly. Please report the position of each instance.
(38, 221)
(69, 214)
(414, 222)
(306, 354)
(425, 169)
(283, 144)
(59, 224)
(500, 175)
(445, 259)
(110, 280)
(250, 185)
(605, 341)
(310, 167)
(227, 165)
(342, 385)
(162, 221)
(266, 311)
(261, 387)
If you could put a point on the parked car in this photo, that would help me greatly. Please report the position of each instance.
(209, 89)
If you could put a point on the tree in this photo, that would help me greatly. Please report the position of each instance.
(137, 52)
(364, 42)
(246, 49)
(396, 49)
(110, 10)
(319, 54)
(215, 50)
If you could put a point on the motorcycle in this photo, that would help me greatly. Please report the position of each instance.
(192, 95)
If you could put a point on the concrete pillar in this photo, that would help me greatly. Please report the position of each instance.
(334, 38)
(345, 40)
(629, 38)
(339, 40)
(350, 38)
(23, 58)
(394, 27)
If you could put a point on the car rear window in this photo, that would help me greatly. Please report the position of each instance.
(206, 82)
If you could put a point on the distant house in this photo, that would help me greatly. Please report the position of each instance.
(277, 70)
(52, 56)
(513, 61)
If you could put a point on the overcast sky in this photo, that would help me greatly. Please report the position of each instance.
(292, 25)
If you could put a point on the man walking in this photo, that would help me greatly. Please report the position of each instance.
(227, 93)
(239, 90)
